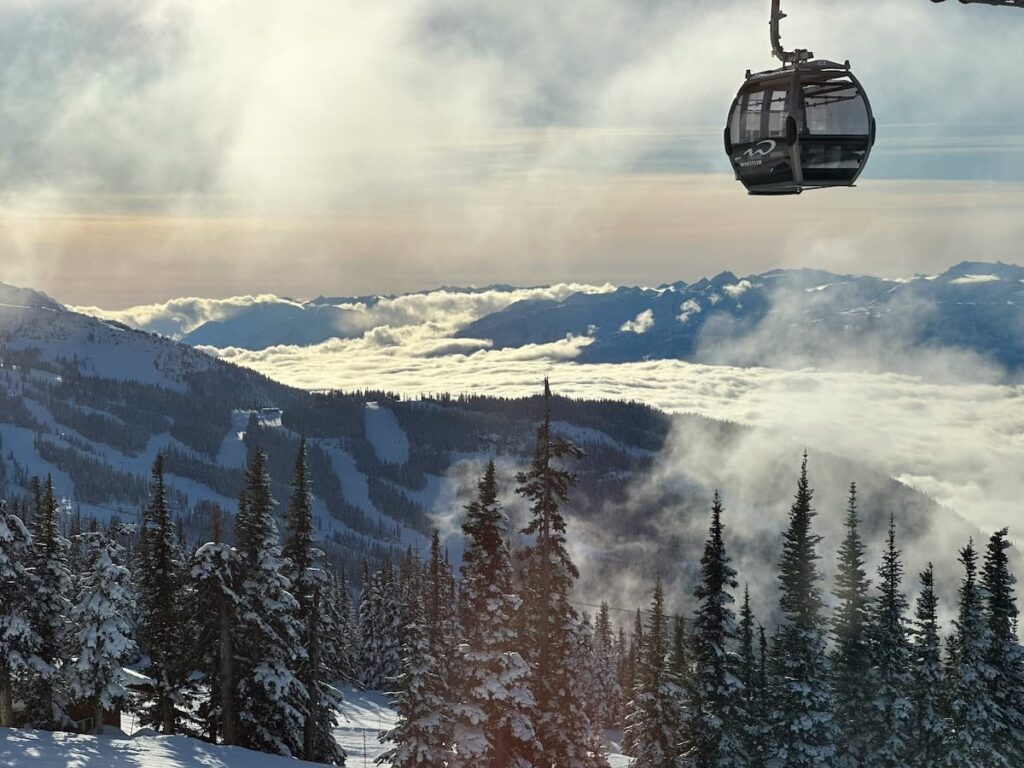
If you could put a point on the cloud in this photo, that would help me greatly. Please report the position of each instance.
(642, 323)
(974, 279)
(689, 308)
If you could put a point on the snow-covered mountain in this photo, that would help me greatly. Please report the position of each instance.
(91, 402)
(784, 318)
(787, 319)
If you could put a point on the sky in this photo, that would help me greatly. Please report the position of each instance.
(161, 148)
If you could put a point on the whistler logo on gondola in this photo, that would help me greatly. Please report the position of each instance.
(755, 153)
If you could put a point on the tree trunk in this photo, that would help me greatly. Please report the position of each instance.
(167, 710)
(97, 720)
(227, 683)
(6, 699)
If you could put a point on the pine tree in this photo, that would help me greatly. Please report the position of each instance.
(160, 615)
(1005, 657)
(890, 655)
(420, 736)
(607, 693)
(102, 618)
(50, 611)
(749, 675)
(19, 641)
(308, 583)
(214, 574)
(652, 724)
(804, 733)
(379, 626)
(272, 700)
(680, 675)
(719, 737)
(850, 657)
(494, 718)
(925, 743)
(970, 738)
(563, 728)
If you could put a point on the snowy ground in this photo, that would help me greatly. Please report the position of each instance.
(364, 715)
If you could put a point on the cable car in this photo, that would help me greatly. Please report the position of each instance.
(805, 126)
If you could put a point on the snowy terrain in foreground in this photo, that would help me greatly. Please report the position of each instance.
(363, 716)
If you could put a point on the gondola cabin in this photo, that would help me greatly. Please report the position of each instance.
(805, 126)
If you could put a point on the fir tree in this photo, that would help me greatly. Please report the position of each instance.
(1004, 657)
(159, 585)
(804, 733)
(47, 699)
(652, 724)
(719, 736)
(607, 692)
(379, 624)
(890, 655)
(308, 582)
(973, 715)
(564, 730)
(214, 574)
(750, 678)
(420, 736)
(102, 618)
(272, 701)
(19, 642)
(680, 675)
(927, 724)
(494, 718)
(850, 657)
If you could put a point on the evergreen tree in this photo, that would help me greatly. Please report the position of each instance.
(851, 656)
(214, 574)
(925, 744)
(379, 624)
(1005, 657)
(719, 736)
(653, 724)
(308, 582)
(19, 641)
(804, 733)
(680, 675)
(750, 678)
(272, 700)
(102, 619)
(494, 718)
(970, 738)
(563, 728)
(607, 693)
(160, 615)
(890, 655)
(50, 611)
(420, 736)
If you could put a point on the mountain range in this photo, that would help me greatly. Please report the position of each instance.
(91, 402)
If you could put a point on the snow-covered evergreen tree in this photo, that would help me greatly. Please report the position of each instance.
(1005, 656)
(802, 727)
(851, 658)
(19, 641)
(102, 618)
(340, 643)
(159, 603)
(309, 585)
(754, 699)
(889, 682)
(214, 575)
(927, 723)
(46, 697)
(565, 732)
(271, 698)
(607, 693)
(494, 716)
(680, 675)
(719, 736)
(421, 734)
(973, 714)
(379, 627)
(653, 722)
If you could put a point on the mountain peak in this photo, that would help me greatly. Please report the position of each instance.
(14, 296)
